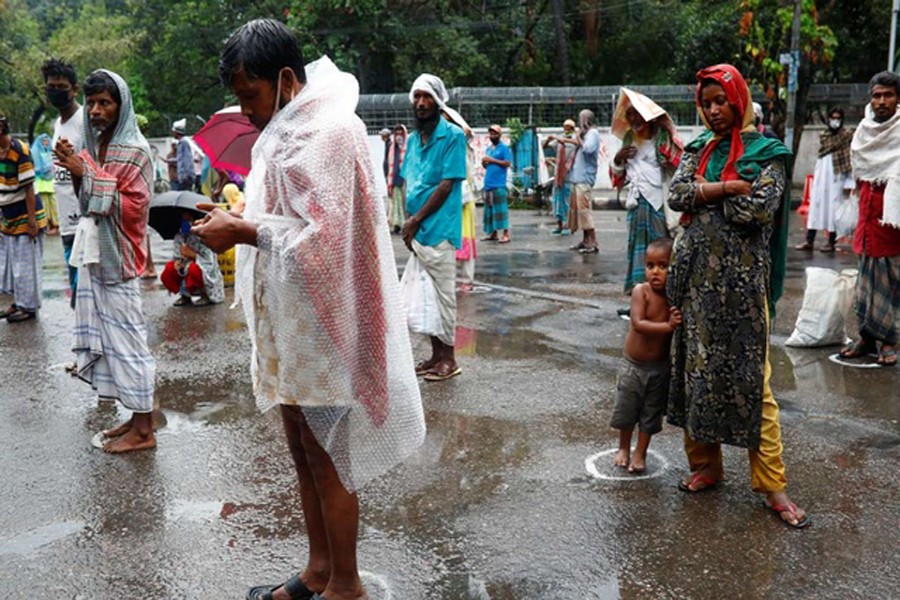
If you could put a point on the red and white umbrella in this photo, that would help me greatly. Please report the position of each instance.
(227, 139)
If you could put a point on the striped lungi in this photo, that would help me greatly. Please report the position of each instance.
(645, 224)
(878, 297)
(111, 341)
(21, 266)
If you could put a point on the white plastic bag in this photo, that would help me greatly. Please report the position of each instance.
(86, 245)
(417, 290)
(826, 308)
(846, 216)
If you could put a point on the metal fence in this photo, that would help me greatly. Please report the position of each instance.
(550, 106)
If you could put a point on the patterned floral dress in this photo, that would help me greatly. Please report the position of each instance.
(719, 280)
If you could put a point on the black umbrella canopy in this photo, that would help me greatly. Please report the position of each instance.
(166, 210)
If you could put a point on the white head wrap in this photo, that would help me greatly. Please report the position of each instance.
(434, 87)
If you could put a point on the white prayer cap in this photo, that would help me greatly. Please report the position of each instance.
(384, 131)
(179, 126)
(757, 110)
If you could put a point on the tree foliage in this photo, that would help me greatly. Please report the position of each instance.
(168, 49)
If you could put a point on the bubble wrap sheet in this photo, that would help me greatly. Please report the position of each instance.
(321, 292)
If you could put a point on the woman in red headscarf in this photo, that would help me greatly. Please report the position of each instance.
(726, 275)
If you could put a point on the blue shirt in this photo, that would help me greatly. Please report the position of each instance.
(424, 167)
(185, 160)
(495, 175)
(584, 170)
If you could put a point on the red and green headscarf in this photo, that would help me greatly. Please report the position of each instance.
(741, 154)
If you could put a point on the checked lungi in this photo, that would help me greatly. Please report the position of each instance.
(111, 341)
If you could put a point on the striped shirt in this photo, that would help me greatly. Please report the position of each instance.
(16, 176)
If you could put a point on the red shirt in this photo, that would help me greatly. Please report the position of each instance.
(872, 238)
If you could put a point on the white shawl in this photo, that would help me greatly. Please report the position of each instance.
(875, 156)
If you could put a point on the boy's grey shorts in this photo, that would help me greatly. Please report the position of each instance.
(642, 392)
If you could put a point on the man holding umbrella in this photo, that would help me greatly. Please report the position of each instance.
(116, 174)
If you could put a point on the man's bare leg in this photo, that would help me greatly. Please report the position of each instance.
(139, 436)
(318, 566)
(624, 453)
(638, 462)
(340, 510)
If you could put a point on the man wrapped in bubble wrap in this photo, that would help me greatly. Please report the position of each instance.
(317, 278)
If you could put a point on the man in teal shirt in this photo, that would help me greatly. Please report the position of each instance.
(434, 168)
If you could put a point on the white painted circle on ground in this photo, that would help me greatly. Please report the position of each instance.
(590, 463)
(376, 586)
(98, 440)
(836, 358)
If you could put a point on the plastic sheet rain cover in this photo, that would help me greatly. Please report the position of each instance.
(321, 293)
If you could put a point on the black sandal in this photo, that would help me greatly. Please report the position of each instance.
(857, 349)
(295, 588)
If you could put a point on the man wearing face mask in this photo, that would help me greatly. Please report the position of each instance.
(62, 88)
(831, 177)
(876, 167)
(115, 175)
(21, 229)
(317, 279)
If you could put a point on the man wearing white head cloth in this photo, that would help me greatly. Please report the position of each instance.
(434, 169)
(317, 279)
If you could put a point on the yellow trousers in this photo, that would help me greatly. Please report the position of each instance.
(766, 466)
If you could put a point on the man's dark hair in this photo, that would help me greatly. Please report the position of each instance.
(56, 67)
(838, 110)
(887, 79)
(665, 244)
(99, 82)
(261, 48)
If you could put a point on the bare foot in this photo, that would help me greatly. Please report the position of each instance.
(130, 442)
(789, 512)
(120, 429)
(621, 458)
(638, 463)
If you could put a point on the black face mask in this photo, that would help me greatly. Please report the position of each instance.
(58, 98)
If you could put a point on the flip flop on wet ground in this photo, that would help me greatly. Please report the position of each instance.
(790, 507)
(435, 376)
(857, 349)
(691, 486)
(295, 588)
(887, 358)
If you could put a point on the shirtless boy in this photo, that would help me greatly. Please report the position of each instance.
(642, 382)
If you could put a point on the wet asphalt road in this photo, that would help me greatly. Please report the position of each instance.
(503, 501)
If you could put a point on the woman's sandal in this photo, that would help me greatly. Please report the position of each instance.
(690, 487)
(791, 508)
(857, 349)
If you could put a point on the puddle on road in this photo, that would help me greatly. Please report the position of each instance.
(194, 511)
(31, 541)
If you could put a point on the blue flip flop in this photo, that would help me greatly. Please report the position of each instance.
(295, 588)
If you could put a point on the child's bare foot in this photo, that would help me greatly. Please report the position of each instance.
(621, 458)
(131, 441)
(638, 463)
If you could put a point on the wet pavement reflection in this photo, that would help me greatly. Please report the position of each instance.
(513, 494)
